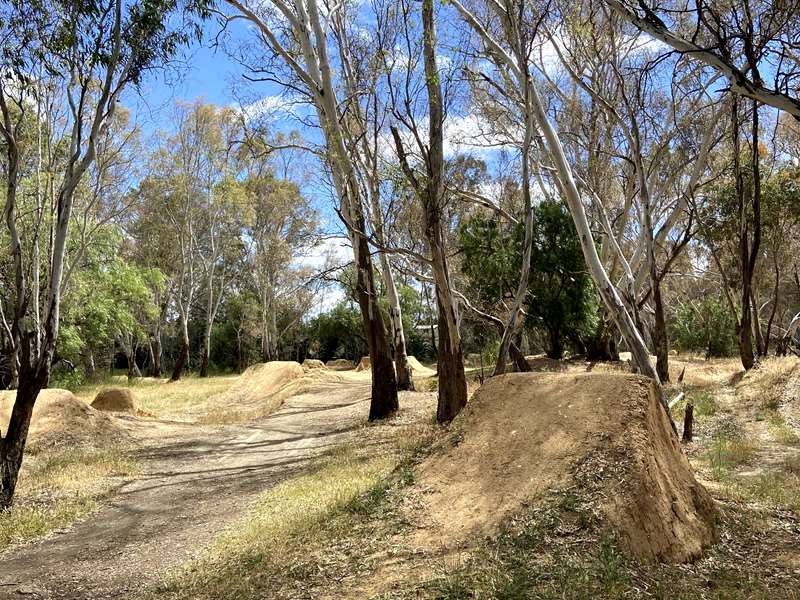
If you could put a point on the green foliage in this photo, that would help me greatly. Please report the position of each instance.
(705, 325)
(108, 299)
(560, 302)
(337, 334)
(235, 336)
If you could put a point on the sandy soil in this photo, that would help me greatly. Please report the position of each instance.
(197, 480)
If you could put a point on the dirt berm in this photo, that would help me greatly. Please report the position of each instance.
(603, 436)
(119, 400)
(263, 387)
(59, 418)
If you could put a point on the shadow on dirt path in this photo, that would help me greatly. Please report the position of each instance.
(197, 480)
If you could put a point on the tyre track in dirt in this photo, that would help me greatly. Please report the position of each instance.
(197, 480)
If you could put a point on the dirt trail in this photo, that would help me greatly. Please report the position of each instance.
(197, 480)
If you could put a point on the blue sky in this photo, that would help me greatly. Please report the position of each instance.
(201, 71)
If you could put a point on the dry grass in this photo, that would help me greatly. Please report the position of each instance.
(56, 488)
(791, 464)
(285, 522)
(177, 400)
(774, 489)
(268, 553)
(315, 535)
(763, 387)
(780, 429)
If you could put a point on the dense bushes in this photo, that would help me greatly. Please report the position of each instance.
(705, 325)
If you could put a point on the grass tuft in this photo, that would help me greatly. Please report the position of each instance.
(726, 453)
(58, 488)
(780, 429)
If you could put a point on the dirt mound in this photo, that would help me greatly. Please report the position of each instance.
(602, 436)
(364, 364)
(119, 400)
(60, 418)
(418, 369)
(263, 386)
(340, 364)
(541, 362)
(313, 363)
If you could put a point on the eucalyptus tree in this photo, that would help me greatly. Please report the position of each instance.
(221, 209)
(658, 137)
(511, 81)
(280, 227)
(296, 35)
(752, 43)
(362, 58)
(92, 52)
(487, 21)
(410, 83)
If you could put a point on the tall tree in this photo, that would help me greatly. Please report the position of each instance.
(313, 77)
(430, 189)
(94, 51)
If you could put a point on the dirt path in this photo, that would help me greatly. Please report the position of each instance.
(196, 481)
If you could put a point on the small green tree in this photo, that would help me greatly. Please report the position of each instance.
(560, 303)
(338, 333)
(706, 325)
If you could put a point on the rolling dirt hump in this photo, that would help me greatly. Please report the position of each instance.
(119, 400)
(417, 368)
(264, 384)
(59, 417)
(313, 363)
(604, 436)
(340, 364)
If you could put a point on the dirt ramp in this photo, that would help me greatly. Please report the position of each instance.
(313, 363)
(264, 386)
(119, 400)
(339, 364)
(604, 436)
(418, 369)
(60, 418)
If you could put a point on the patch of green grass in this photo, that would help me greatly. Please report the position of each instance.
(780, 429)
(284, 523)
(705, 405)
(776, 489)
(58, 488)
(726, 453)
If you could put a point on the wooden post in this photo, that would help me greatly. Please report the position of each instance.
(688, 421)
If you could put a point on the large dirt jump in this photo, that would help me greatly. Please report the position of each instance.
(60, 418)
(259, 390)
(526, 435)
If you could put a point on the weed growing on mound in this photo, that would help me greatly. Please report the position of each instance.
(780, 430)
(58, 488)
(539, 555)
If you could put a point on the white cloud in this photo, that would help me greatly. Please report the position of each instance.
(274, 107)
(331, 252)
